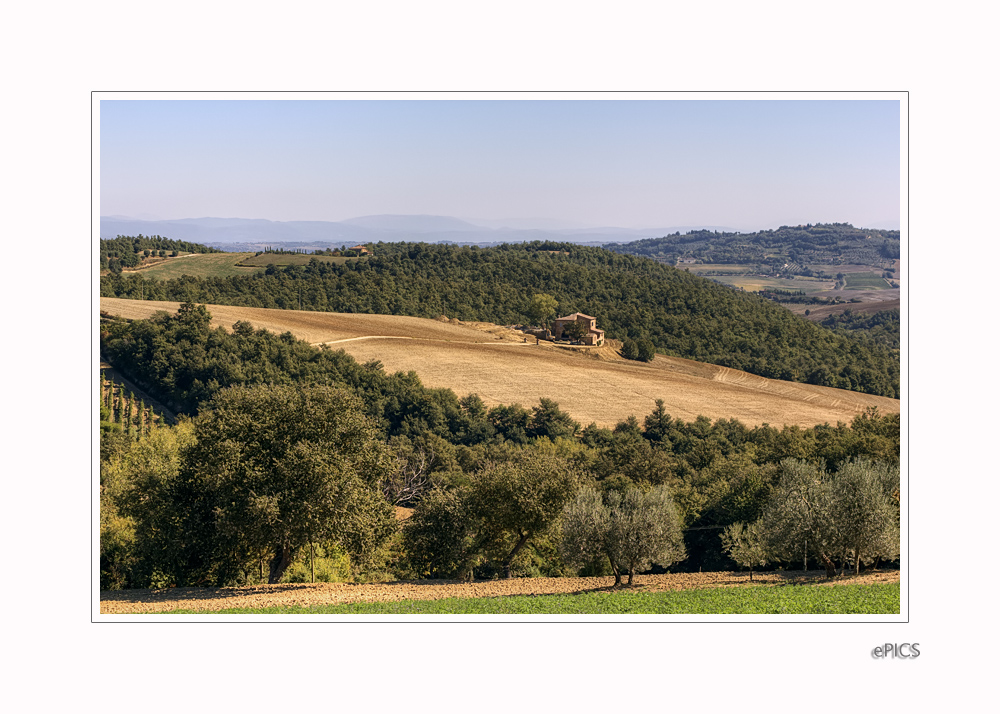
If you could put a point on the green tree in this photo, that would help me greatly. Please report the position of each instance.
(656, 426)
(865, 511)
(547, 419)
(850, 515)
(798, 517)
(630, 349)
(276, 468)
(540, 307)
(745, 544)
(518, 500)
(138, 537)
(632, 529)
(644, 529)
(439, 538)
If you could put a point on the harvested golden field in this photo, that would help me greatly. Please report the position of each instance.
(591, 384)
(124, 602)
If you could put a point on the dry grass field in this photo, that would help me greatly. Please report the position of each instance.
(593, 385)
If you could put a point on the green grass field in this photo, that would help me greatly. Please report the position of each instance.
(876, 599)
(756, 283)
(207, 265)
(225, 265)
(865, 281)
(728, 267)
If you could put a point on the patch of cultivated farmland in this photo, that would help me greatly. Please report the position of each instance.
(865, 281)
(592, 385)
(199, 265)
(756, 283)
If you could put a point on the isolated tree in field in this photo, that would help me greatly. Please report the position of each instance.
(540, 307)
(632, 529)
(745, 544)
(630, 349)
(645, 351)
(276, 468)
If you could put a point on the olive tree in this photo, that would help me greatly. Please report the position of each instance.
(799, 516)
(745, 544)
(851, 515)
(633, 529)
(865, 510)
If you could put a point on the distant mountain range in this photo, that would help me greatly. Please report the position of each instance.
(222, 232)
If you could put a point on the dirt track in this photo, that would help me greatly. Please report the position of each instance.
(211, 599)
(592, 385)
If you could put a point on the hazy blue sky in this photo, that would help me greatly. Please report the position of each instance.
(747, 164)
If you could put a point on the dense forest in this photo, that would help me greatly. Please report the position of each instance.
(632, 297)
(790, 249)
(880, 327)
(176, 509)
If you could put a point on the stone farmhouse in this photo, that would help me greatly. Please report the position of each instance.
(593, 336)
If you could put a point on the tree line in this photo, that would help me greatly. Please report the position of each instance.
(205, 501)
(819, 244)
(634, 298)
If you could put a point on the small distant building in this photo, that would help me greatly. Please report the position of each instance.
(360, 249)
(593, 337)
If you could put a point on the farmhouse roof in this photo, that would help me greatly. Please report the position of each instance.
(576, 315)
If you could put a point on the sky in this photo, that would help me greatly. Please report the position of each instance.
(743, 163)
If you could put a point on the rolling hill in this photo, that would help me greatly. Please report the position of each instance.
(593, 385)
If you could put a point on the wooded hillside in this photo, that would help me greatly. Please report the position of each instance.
(632, 297)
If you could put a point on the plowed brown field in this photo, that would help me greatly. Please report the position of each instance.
(593, 385)
(212, 599)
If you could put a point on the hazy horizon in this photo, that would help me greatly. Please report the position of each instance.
(544, 224)
(750, 164)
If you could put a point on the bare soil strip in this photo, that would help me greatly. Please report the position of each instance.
(305, 595)
(592, 385)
